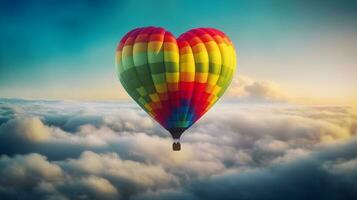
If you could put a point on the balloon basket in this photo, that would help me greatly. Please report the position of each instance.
(176, 146)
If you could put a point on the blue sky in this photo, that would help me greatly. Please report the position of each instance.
(65, 149)
(65, 49)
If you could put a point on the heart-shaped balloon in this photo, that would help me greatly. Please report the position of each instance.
(174, 80)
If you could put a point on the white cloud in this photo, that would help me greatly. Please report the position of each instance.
(90, 187)
(343, 166)
(27, 171)
(112, 166)
(26, 129)
(112, 150)
(246, 89)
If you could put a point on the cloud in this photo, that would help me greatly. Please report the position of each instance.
(90, 187)
(246, 89)
(348, 167)
(27, 129)
(304, 177)
(165, 194)
(24, 171)
(91, 176)
(122, 172)
(108, 150)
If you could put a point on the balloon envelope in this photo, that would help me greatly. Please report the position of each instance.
(174, 80)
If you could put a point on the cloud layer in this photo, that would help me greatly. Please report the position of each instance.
(103, 150)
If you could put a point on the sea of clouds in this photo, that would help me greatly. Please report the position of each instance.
(110, 150)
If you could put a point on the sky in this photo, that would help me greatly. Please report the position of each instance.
(65, 49)
(286, 128)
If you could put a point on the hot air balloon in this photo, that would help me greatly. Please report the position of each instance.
(175, 81)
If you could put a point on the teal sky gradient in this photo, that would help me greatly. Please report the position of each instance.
(64, 49)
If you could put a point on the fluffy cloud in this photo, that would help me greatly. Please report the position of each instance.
(91, 176)
(123, 172)
(103, 150)
(24, 171)
(91, 187)
(25, 129)
(301, 178)
(248, 90)
(21, 174)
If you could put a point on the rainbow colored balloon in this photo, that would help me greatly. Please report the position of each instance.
(175, 81)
